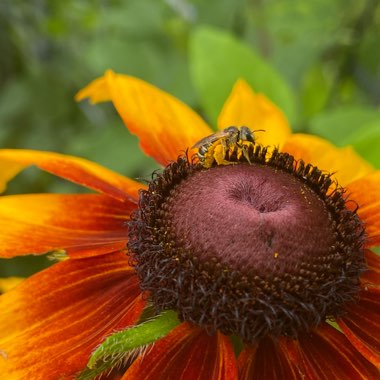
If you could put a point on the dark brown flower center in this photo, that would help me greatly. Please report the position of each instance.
(248, 249)
(250, 217)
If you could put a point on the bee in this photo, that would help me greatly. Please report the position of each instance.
(219, 146)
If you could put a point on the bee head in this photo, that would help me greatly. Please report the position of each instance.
(246, 134)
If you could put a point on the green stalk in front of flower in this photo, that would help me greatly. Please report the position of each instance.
(122, 344)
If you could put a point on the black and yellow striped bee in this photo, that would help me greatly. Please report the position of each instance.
(216, 147)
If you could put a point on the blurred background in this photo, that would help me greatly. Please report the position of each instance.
(318, 60)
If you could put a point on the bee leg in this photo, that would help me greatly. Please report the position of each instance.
(244, 150)
(220, 155)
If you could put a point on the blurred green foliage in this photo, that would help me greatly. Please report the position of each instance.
(318, 60)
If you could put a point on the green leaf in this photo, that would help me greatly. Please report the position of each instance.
(298, 34)
(366, 141)
(217, 60)
(135, 337)
(315, 90)
(117, 346)
(333, 324)
(340, 125)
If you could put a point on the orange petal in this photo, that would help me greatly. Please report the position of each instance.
(326, 354)
(50, 324)
(82, 225)
(256, 111)
(365, 192)
(75, 169)
(372, 275)
(362, 324)
(165, 126)
(187, 352)
(344, 162)
(266, 360)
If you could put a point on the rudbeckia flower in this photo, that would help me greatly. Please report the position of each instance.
(267, 253)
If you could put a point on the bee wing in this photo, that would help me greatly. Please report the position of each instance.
(210, 139)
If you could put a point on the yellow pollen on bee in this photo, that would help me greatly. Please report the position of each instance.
(218, 152)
